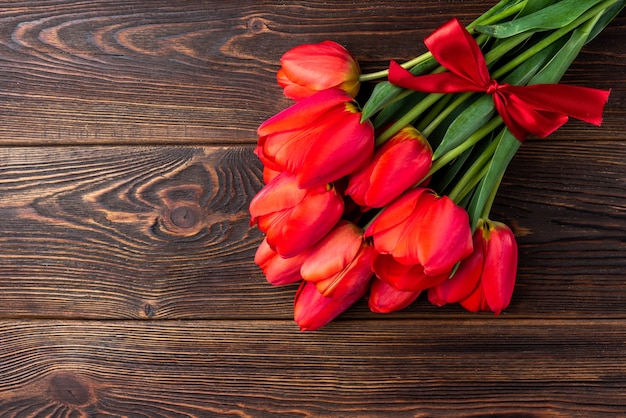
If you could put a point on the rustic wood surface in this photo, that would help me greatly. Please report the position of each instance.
(127, 286)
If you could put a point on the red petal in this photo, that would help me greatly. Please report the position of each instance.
(323, 65)
(340, 148)
(354, 275)
(309, 221)
(398, 166)
(409, 278)
(278, 195)
(465, 279)
(394, 222)
(312, 310)
(445, 237)
(303, 113)
(384, 298)
(278, 271)
(333, 253)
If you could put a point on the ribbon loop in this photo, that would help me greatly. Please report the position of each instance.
(539, 109)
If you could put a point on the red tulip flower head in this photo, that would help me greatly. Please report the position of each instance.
(484, 280)
(319, 139)
(398, 164)
(309, 68)
(421, 228)
(292, 218)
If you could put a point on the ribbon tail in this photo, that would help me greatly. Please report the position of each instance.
(523, 119)
(581, 103)
(430, 83)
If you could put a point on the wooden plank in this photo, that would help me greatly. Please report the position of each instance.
(163, 232)
(355, 368)
(120, 72)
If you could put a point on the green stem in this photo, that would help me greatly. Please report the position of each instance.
(474, 174)
(492, 197)
(408, 117)
(444, 114)
(446, 158)
(490, 19)
(439, 108)
(383, 73)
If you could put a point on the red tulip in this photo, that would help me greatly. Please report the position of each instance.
(340, 262)
(385, 298)
(312, 310)
(309, 68)
(293, 218)
(398, 164)
(421, 228)
(319, 139)
(278, 270)
(485, 280)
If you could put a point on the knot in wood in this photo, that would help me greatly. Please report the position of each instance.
(184, 217)
(256, 25)
(69, 389)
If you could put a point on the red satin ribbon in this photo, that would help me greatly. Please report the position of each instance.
(539, 109)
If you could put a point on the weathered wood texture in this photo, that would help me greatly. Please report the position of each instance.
(353, 368)
(127, 286)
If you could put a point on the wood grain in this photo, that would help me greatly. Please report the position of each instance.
(163, 232)
(128, 72)
(127, 286)
(353, 368)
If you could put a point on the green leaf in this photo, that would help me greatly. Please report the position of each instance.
(606, 18)
(554, 16)
(533, 6)
(395, 110)
(466, 123)
(558, 65)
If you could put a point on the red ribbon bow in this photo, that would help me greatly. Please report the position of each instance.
(539, 109)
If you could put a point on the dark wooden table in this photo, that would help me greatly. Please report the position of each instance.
(127, 286)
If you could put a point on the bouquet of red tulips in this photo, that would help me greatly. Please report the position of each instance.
(391, 198)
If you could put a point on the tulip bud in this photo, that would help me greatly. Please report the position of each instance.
(309, 68)
(398, 164)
